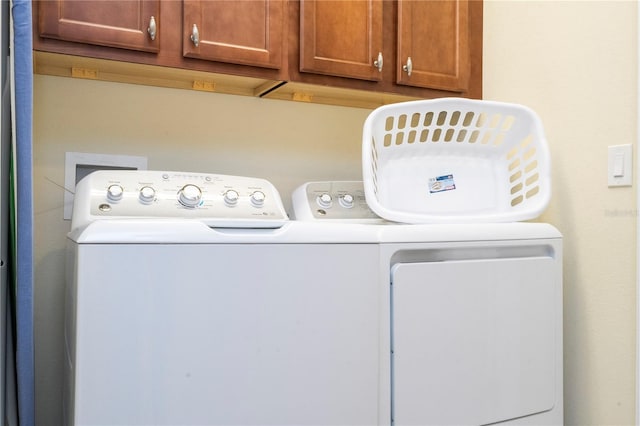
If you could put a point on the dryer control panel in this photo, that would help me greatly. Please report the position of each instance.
(218, 200)
(333, 200)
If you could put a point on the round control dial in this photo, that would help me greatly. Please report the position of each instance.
(115, 193)
(346, 201)
(324, 200)
(190, 195)
(257, 199)
(231, 197)
(147, 195)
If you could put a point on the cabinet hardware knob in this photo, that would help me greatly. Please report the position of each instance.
(152, 30)
(408, 67)
(378, 62)
(195, 35)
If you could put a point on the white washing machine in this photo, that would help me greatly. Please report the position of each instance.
(192, 300)
(470, 315)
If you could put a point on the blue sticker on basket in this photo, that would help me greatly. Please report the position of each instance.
(441, 183)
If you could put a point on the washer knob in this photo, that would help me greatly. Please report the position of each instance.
(346, 201)
(115, 193)
(257, 199)
(324, 200)
(146, 195)
(190, 195)
(231, 198)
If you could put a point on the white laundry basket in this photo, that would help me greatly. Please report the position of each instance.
(455, 160)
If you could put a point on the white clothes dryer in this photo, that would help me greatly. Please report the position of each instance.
(193, 300)
(474, 323)
(470, 315)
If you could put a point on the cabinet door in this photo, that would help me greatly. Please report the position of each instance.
(117, 23)
(433, 44)
(248, 32)
(341, 37)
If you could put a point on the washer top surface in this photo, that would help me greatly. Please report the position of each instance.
(402, 233)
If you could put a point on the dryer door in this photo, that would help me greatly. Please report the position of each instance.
(472, 340)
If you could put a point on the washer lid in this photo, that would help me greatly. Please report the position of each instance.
(181, 231)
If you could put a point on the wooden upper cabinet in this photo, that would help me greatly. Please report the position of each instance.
(317, 50)
(248, 32)
(125, 24)
(341, 38)
(433, 44)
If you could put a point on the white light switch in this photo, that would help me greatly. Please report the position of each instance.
(618, 165)
(620, 161)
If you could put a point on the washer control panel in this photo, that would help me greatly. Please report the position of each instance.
(332, 200)
(217, 200)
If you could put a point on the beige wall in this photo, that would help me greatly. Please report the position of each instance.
(573, 62)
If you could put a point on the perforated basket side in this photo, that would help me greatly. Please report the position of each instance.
(507, 138)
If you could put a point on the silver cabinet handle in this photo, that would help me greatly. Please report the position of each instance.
(408, 67)
(152, 30)
(195, 35)
(378, 62)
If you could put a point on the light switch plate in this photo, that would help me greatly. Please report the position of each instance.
(620, 165)
(79, 164)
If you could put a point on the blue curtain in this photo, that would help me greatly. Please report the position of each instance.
(21, 51)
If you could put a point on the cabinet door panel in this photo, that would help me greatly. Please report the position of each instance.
(341, 38)
(115, 23)
(248, 32)
(435, 35)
